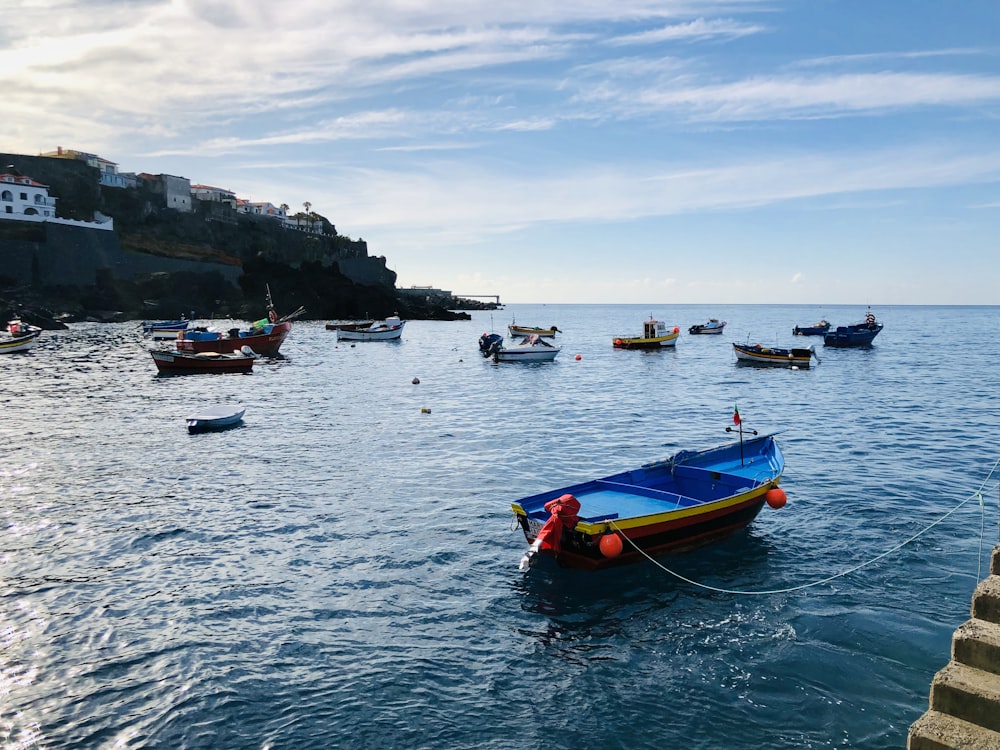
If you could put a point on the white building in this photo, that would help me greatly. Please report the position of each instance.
(21, 196)
(23, 199)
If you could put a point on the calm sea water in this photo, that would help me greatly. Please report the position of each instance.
(341, 571)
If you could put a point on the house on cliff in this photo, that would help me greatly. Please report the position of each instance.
(21, 196)
(176, 191)
(107, 169)
(25, 199)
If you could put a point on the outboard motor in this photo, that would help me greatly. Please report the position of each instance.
(490, 343)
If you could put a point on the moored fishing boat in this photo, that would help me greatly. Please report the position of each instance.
(19, 337)
(215, 418)
(384, 330)
(186, 363)
(857, 334)
(515, 330)
(531, 348)
(772, 355)
(264, 336)
(818, 329)
(713, 326)
(682, 502)
(655, 335)
(162, 330)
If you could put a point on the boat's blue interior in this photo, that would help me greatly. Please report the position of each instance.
(205, 335)
(669, 485)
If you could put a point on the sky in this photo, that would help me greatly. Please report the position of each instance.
(682, 151)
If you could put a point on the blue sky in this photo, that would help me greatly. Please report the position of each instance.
(745, 151)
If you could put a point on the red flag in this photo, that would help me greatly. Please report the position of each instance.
(736, 415)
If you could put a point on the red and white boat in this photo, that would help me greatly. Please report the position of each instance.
(19, 337)
(264, 336)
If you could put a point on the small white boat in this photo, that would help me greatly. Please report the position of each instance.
(19, 337)
(533, 348)
(385, 330)
(713, 326)
(215, 418)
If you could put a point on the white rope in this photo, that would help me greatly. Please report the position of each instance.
(978, 495)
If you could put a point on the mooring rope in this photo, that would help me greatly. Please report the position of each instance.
(977, 495)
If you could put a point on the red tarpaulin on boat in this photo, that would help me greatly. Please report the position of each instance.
(564, 514)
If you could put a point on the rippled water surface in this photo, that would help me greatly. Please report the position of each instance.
(341, 571)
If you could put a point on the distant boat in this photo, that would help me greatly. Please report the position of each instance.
(532, 348)
(185, 363)
(215, 418)
(674, 505)
(348, 325)
(655, 335)
(164, 329)
(818, 329)
(19, 337)
(858, 334)
(713, 326)
(385, 330)
(771, 355)
(515, 330)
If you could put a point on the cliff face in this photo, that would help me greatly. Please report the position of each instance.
(158, 262)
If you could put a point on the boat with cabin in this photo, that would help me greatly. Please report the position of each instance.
(857, 334)
(655, 335)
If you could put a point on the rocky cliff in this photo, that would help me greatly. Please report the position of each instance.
(160, 263)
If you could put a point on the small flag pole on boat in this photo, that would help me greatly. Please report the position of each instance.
(738, 421)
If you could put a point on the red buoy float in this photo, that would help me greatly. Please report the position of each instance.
(775, 497)
(611, 545)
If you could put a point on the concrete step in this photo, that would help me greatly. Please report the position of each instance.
(937, 731)
(986, 599)
(967, 693)
(976, 643)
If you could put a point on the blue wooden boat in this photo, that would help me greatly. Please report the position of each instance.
(215, 418)
(818, 329)
(685, 501)
(858, 334)
(164, 329)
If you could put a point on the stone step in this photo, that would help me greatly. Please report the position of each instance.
(937, 731)
(967, 693)
(986, 599)
(976, 643)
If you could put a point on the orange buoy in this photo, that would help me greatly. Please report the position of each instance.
(618, 342)
(578, 357)
(676, 329)
(775, 497)
(611, 545)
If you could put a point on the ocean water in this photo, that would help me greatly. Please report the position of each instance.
(342, 570)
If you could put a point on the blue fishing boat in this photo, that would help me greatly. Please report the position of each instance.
(818, 329)
(162, 330)
(858, 334)
(673, 505)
